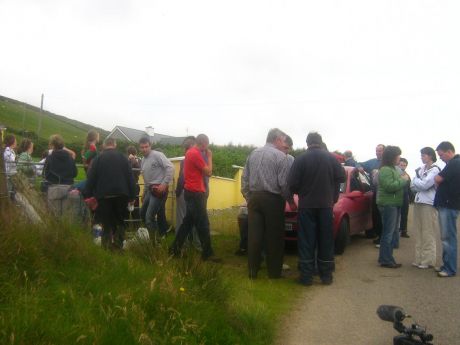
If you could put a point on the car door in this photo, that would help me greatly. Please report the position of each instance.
(358, 203)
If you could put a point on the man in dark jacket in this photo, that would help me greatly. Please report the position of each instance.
(111, 182)
(59, 172)
(59, 166)
(316, 176)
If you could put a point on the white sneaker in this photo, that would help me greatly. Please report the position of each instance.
(377, 246)
(443, 274)
(423, 266)
(286, 267)
(415, 265)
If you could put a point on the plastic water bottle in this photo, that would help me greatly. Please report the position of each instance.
(97, 230)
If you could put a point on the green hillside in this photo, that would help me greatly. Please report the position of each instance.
(21, 118)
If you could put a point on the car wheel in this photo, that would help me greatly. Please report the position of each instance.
(343, 237)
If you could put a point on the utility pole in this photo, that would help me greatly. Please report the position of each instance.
(23, 117)
(40, 119)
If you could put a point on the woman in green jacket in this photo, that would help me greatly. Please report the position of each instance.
(25, 159)
(389, 200)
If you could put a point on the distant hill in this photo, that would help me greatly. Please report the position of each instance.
(23, 119)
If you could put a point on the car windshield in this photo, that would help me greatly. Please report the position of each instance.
(365, 181)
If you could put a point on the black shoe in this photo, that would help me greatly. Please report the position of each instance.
(305, 282)
(326, 280)
(405, 235)
(394, 265)
(241, 252)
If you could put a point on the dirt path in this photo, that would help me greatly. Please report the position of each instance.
(345, 312)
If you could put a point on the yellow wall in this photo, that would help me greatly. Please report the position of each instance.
(224, 192)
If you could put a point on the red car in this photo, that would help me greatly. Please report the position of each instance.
(352, 212)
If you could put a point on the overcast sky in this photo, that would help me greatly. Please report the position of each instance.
(359, 72)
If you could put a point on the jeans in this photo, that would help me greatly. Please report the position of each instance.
(376, 217)
(153, 207)
(181, 210)
(196, 215)
(315, 232)
(390, 233)
(448, 225)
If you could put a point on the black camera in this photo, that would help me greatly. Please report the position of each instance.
(413, 335)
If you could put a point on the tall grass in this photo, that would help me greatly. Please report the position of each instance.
(57, 287)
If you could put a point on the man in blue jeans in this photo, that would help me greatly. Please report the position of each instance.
(158, 173)
(447, 201)
(316, 176)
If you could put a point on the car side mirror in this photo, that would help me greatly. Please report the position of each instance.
(355, 194)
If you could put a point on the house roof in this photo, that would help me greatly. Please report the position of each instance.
(131, 134)
(134, 135)
(172, 140)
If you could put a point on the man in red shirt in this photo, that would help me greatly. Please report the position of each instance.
(195, 168)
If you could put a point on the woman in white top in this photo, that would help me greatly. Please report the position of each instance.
(425, 215)
(9, 157)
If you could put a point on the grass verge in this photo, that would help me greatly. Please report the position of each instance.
(57, 287)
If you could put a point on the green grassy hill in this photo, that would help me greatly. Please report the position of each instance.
(21, 118)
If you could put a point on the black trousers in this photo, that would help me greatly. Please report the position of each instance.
(404, 213)
(243, 225)
(266, 232)
(112, 212)
(195, 216)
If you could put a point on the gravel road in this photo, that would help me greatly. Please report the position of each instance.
(345, 312)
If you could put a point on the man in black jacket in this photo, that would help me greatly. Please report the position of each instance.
(316, 176)
(59, 166)
(111, 182)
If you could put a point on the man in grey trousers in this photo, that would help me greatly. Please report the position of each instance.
(264, 186)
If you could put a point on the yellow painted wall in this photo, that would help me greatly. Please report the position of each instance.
(224, 192)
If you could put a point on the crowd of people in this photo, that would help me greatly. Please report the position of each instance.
(436, 197)
(270, 179)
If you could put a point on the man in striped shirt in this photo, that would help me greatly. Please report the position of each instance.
(264, 186)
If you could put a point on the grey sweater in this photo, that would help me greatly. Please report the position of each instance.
(156, 169)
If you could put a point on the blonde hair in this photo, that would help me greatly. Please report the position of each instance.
(92, 136)
(56, 142)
